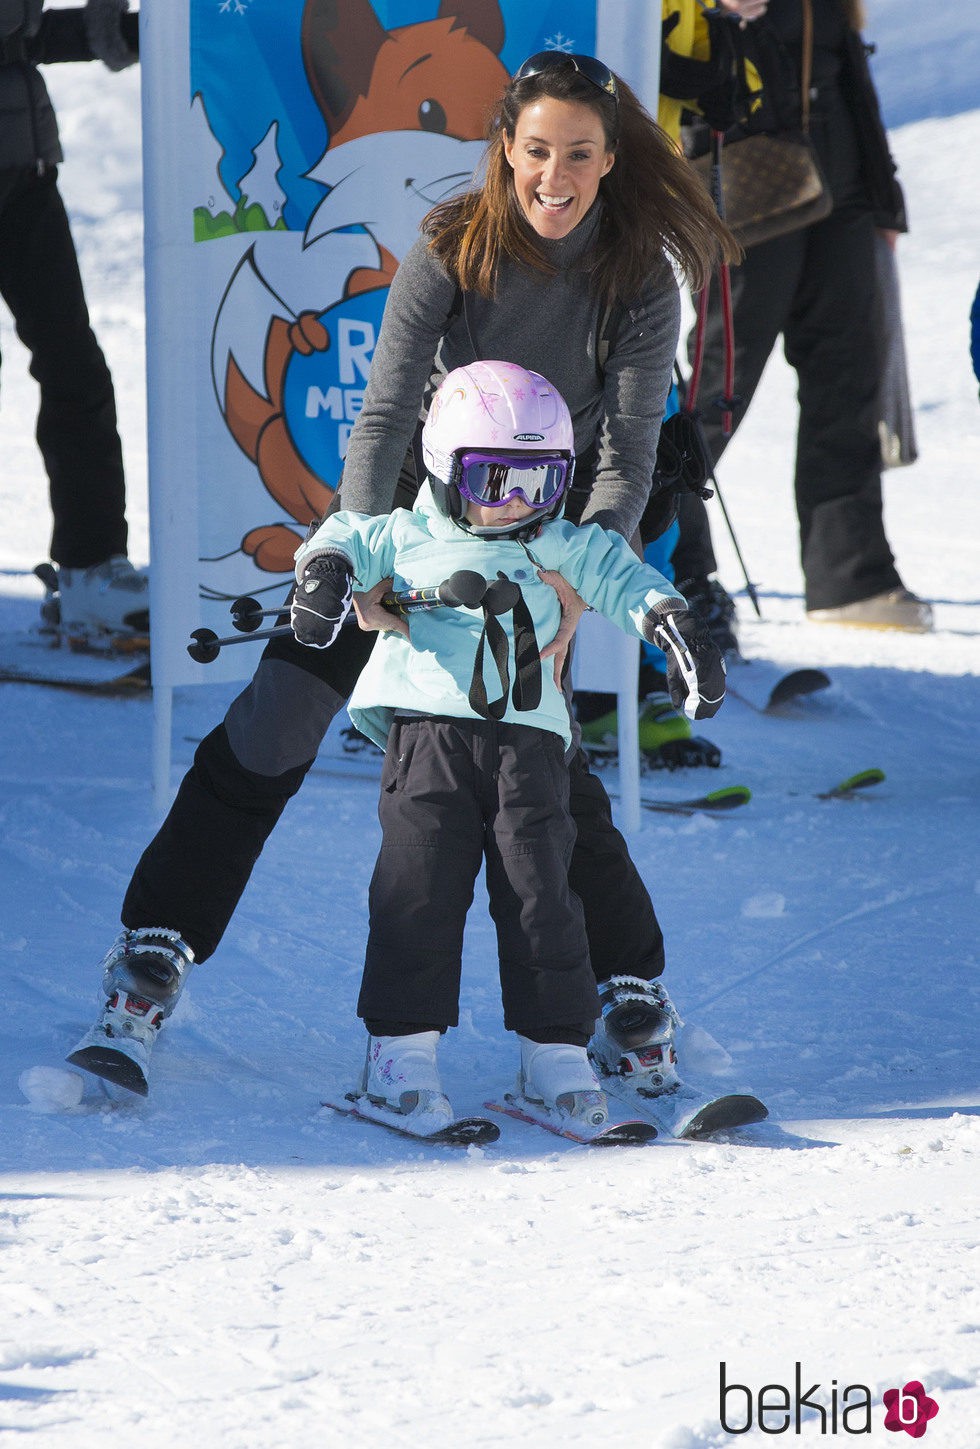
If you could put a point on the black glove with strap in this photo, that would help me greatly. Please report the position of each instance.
(683, 466)
(695, 667)
(322, 600)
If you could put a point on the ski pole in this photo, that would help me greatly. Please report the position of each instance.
(728, 401)
(695, 416)
(464, 589)
(207, 646)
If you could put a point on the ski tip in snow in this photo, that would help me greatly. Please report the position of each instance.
(764, 686)
(112, 1066)
(687, 1113)
(796, 685)
(723, 1114)
(847, 789)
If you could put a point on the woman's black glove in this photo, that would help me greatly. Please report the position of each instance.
(322, 600)
(695, 667)
(112, 34)
(683, 466)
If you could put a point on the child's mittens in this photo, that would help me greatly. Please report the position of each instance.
(695, 666)
(322, 600)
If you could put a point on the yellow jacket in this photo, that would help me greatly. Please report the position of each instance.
(689, 38)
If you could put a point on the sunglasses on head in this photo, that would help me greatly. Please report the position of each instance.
(492, 479)
(586, 65)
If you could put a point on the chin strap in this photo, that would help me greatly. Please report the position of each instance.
(504, 596)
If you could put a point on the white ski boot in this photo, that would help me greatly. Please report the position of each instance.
(558, 1079)
(634, 1036)
(401, 1079)
(142, 978)
(108, 599)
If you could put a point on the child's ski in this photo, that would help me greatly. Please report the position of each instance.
(631, 1132)
(460, 1132)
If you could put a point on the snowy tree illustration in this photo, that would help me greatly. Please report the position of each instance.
(214, 209)
(262, 198)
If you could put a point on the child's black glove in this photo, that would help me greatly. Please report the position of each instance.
(322, 600)
(695, 667)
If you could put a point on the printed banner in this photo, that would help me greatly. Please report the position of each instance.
(292, 147)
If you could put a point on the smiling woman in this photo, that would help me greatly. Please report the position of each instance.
(559, 155)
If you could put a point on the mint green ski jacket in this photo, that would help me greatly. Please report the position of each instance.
(420, 549)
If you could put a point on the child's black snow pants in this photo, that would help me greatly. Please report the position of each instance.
(456, 792)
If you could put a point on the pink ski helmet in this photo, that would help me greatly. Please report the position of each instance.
(495, 430)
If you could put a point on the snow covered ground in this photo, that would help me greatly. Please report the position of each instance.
(226, 1265)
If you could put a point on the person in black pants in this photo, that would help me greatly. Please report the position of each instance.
(816, 288)
(40, 282)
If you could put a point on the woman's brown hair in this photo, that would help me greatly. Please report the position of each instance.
(653, 203)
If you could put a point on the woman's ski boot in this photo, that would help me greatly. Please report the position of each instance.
(143, 976)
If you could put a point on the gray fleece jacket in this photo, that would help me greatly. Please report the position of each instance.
(549, 324)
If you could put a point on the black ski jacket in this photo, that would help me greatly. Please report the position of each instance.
(31, 36)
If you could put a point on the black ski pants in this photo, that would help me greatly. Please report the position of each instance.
(76, 424)
(456, 792)
(816, 287)
(193, 872)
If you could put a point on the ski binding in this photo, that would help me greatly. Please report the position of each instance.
(426, 1127)
(603, 1133)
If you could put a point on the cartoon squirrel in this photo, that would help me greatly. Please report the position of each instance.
(440, 76)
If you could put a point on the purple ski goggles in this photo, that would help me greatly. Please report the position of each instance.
(492, 479)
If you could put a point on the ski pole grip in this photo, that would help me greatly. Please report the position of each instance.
(462, 590)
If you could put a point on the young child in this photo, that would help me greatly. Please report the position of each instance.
(467, 777)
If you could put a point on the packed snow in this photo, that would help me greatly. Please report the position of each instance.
(228, 1264)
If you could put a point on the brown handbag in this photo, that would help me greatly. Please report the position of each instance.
(772, 184)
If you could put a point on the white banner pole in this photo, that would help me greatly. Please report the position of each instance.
(628, 40)
(164, 62)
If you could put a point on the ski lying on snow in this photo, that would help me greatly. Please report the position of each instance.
(729, 797)
(627, 1133)
(461, 1132)
(134, 680)
(31, 657)
(847, 789)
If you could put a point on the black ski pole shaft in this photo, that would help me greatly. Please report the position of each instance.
(750, 588)
(247, 613)
(207, 646)
(712, 476)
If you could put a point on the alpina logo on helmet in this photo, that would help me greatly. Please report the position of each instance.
(529, 437)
